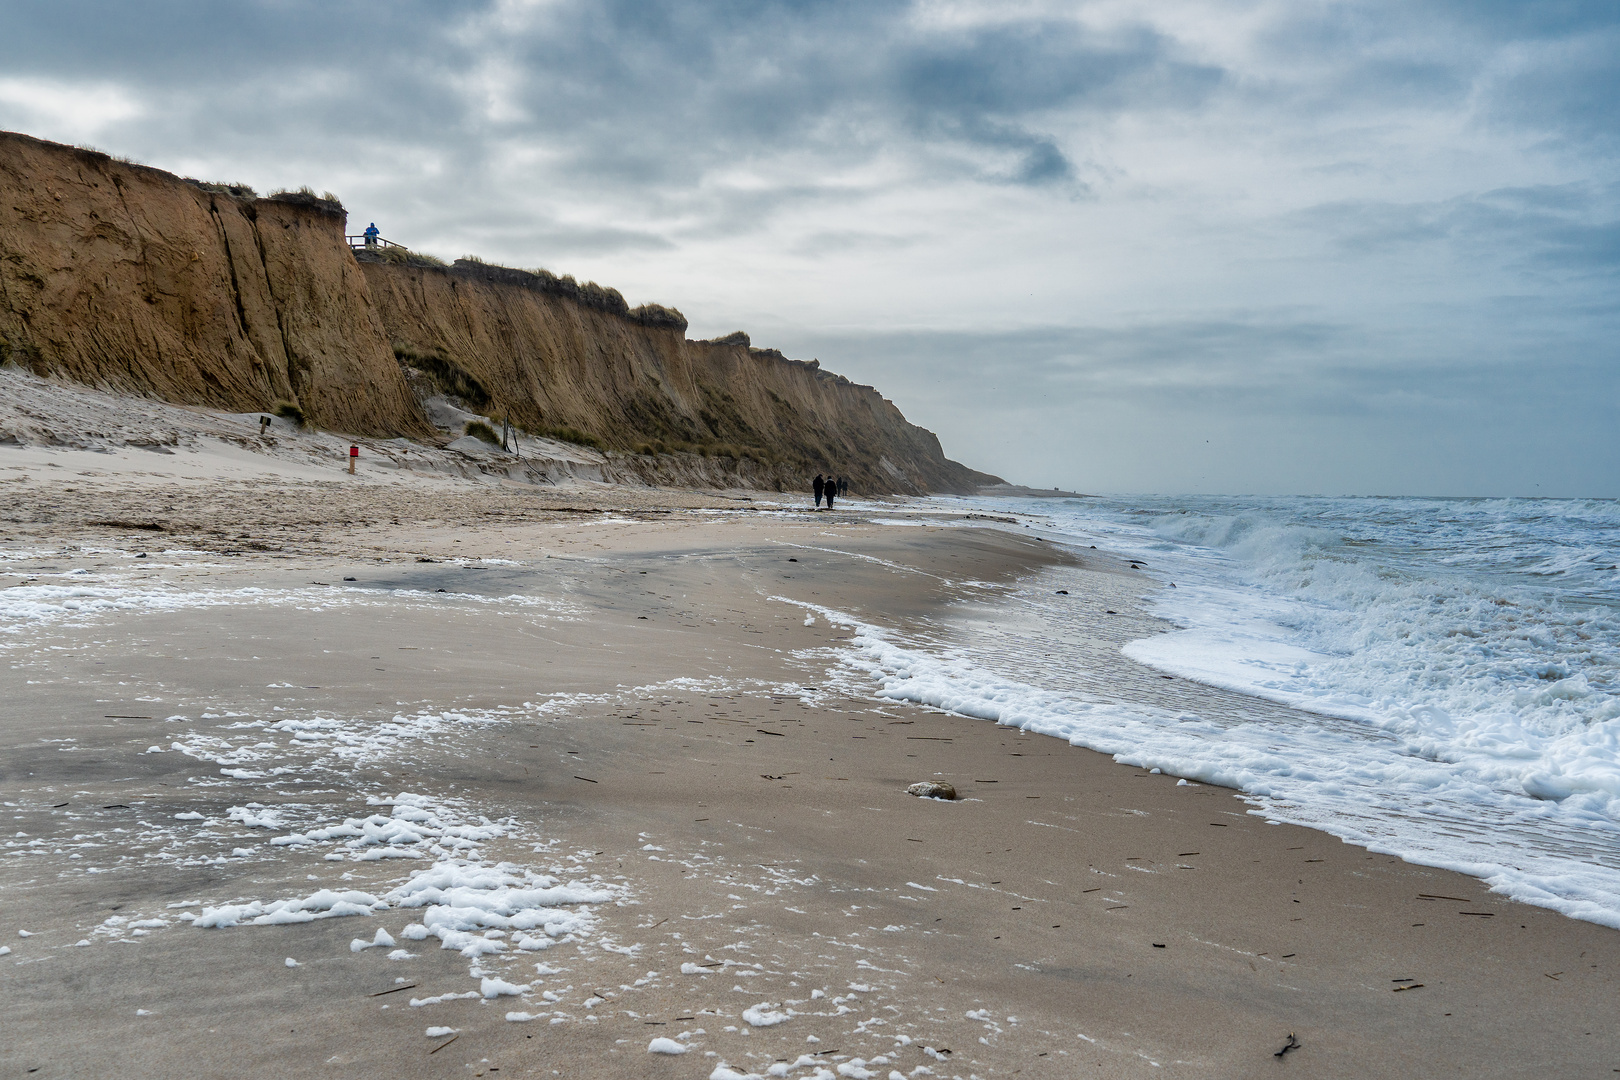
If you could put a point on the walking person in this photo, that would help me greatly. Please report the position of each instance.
(843, 487)
(820, 486)
(832, 489)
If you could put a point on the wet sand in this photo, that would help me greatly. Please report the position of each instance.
(625, 677)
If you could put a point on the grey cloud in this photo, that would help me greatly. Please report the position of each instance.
(1252, 364)
(974, 85)
(1513, 20)
(1570, 94)
(828, 241)
(1254, 403)
(553, 236)
(1549, 68)
(1570, 231)
(635, 94)
(626, 93)
(739, 81)
(204, 42)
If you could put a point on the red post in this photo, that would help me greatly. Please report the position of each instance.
(354, 452)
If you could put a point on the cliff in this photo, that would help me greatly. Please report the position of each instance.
(547, 362)
(134, 280)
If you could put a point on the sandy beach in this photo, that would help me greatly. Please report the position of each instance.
(622, 728)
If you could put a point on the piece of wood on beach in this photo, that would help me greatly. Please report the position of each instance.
(393, 990)
(587, 779)
(444, 1044)
(1408, 986)
(1437, 896)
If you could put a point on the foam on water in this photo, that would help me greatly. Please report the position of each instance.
(1459, 661)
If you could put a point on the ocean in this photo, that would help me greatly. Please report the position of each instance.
(1451, 669)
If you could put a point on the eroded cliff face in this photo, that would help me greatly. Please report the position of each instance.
(546, 362)
(134, 280)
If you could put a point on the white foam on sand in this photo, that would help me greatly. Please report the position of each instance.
(663, 1045)
(83, 585)
(381, 940)
(427, 865)
(461, 899)
(321, 904)
(1325, 775)
(468, 904)
(765, 1014)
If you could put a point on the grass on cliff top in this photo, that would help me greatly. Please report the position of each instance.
(407, 257)
(240, 191)
(589, 294)
(308, 192)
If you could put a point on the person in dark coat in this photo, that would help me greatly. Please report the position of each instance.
(832, 489)
(820, 485)
(843, 487)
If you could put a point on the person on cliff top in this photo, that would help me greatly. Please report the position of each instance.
(372, 234)
(832, 489)
(819, 485)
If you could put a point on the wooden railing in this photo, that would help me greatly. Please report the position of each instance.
(360, 243)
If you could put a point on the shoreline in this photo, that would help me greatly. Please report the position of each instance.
(633, 697)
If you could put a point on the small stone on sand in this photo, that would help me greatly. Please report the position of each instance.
(932, 789)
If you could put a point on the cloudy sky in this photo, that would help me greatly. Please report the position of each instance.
(1290, 246)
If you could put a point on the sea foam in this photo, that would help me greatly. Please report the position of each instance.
(1456, 661)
